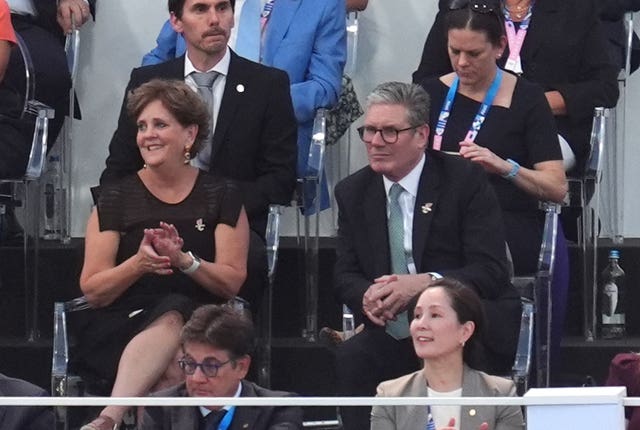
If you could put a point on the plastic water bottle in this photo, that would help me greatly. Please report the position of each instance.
(52, 205)
(612, 299)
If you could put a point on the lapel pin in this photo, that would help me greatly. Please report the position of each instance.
(426, 208)
(472, 412)
(245, 426)
(200, 224)
(240, 88)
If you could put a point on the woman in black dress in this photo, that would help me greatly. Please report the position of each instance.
(158, 244)
(505, 124)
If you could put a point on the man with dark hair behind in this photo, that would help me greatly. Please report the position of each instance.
(216, 343)
(253, 127)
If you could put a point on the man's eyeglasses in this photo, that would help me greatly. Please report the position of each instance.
(388, 134)
(479, 6)
(209, 366)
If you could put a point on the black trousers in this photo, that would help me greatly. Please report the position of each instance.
(52, 88)
(365, 360)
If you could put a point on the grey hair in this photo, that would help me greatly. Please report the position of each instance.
(412, 96)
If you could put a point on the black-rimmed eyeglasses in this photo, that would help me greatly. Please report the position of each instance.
(479, 6)
(208, 366)
(389, 134)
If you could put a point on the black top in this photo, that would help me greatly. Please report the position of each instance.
(129, 207)
(525, 132)
(565, 50)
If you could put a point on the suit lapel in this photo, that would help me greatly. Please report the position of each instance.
(245, 417)
(277, 27)
(542, 19)
(470, 416)
(230, 100)
(426, 206)
(375, 217)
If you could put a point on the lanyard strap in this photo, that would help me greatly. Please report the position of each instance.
(431, 425)
(226, 420)
(266, 13)
(515, 39)
(476, 125)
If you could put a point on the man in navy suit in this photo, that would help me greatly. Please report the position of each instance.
(450, 223)
(254, 127)
(23, 417)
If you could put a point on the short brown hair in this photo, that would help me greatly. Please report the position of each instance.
(179, 99)
(221, 326)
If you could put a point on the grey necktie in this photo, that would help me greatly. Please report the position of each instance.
(398, 329)
(205, 81)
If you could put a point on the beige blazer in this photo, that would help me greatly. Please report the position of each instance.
(474, 384)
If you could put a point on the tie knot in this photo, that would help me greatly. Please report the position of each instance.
(395, 191)
(204, 79)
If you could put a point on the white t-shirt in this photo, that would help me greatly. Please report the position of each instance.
(442, 414)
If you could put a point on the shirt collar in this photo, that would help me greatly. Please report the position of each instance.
(410, 182)
(204, 411)
(221, 66)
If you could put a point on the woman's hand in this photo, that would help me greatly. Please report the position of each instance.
(167, 242)
(489, 161)
(452, 425)
(149, 260)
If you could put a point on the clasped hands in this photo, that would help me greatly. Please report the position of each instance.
(161, 249)
(77, 9)
(390, 295)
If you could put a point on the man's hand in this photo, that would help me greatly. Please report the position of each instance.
(398, 291)
(372, 304)
(77, 9)
(390, 295)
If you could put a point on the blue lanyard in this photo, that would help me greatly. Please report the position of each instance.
(226, 420)
(431, 425)
(479, 118)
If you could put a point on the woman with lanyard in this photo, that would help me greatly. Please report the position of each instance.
(446, 327)
(503, 123)
(558, 44)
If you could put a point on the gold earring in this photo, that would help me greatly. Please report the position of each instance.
(187, 156)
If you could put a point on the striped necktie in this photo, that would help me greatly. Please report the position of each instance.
(205, 81)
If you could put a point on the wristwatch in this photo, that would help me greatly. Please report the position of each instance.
(194, 264)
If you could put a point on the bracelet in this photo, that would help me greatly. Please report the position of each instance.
(515, 167)
(194, 264)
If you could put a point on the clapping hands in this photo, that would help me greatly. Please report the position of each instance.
(160, 249)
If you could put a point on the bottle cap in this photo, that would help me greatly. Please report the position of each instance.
(614, 253)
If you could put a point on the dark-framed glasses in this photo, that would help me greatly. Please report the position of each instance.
(478, 6)
(209, 366)
(388, 134)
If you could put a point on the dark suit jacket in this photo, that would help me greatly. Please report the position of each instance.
(47, 16)
(461, 237)
(245, 417)
(254, 141)
(23, 417)
(565, 50)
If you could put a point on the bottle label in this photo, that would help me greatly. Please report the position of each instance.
(609, 299)
(613, 319)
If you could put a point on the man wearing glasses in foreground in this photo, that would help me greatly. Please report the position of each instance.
(406, 219)
(216, 343)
